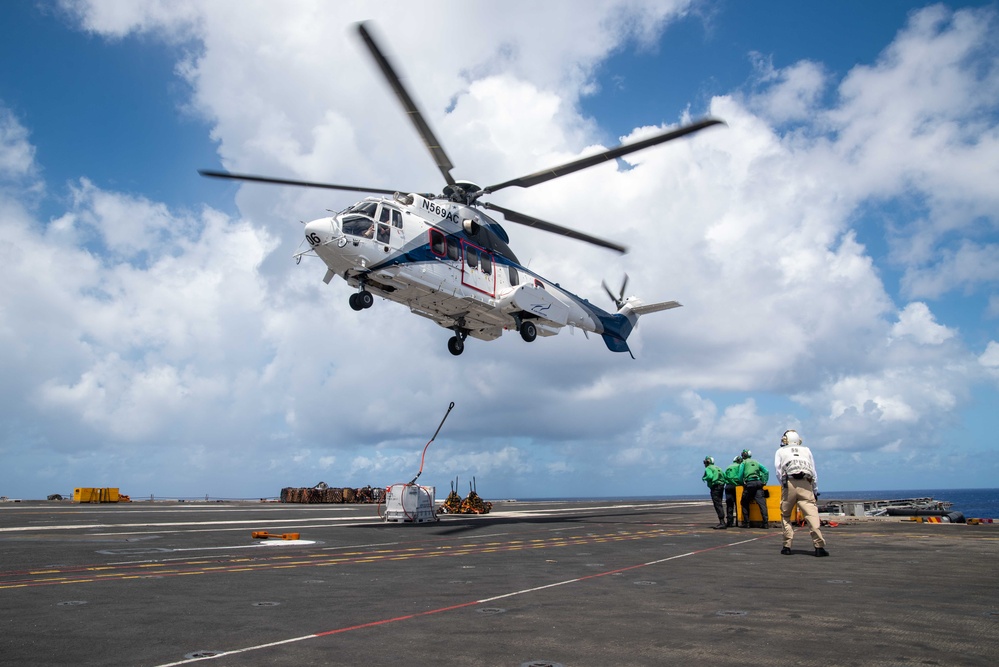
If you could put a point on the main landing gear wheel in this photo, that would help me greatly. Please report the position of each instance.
(361, 300)
(455, 345)
(528, 331)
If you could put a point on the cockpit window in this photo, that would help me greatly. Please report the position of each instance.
(358, 225)
(368, 208)
(388, 214)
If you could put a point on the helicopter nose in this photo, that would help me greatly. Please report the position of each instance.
(319, 231)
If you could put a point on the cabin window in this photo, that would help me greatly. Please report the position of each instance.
(358, 225)
(438, 244)
(453, 252)
(471, 257)
(396, 219)
(514, 276)
(487, 263)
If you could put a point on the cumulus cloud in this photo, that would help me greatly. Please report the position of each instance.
(17, 155)
(189, 339)
(789, 94)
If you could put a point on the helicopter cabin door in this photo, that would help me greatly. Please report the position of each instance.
(389, 230)
(478, 269)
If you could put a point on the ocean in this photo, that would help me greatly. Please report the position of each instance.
(972, 503)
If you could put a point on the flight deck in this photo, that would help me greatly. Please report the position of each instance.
(602, 583)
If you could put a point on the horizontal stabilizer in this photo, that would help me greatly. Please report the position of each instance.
(647, 308)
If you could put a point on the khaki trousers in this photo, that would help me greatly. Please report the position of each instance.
(799, 492)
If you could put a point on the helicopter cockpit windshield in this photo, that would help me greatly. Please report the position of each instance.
(357, 225)
(360, 219)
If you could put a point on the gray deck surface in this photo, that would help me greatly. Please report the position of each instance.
(533, 583)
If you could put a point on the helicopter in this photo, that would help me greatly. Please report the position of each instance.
(447, 260)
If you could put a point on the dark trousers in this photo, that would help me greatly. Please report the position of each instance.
(716, 499)
(753, 491)
(730, 502)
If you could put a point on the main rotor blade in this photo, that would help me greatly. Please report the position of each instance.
(211, 173)
(538, 223)
(600, 158)
(429, 140)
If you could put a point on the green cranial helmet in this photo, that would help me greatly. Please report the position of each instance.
(708, 460)
(746, 454)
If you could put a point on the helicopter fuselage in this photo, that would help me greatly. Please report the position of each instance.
(451, 263)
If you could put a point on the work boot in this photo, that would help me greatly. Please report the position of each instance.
(730, 522)
(819, 551)
(766, 525)
(721, 524)
(786, 551)
(745, 524)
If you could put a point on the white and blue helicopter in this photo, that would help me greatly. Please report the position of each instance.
(448, 261)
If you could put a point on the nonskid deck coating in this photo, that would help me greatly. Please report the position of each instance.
(582, 583)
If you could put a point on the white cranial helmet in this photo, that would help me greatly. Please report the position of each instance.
(790, 438)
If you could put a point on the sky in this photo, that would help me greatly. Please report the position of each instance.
(835, 245)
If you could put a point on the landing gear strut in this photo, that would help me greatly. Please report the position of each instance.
(456, 343)
(361, 300)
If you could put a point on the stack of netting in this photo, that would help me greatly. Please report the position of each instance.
(452, 504)
(321, 493)
(473, 504)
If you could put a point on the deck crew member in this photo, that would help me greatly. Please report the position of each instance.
(753, 476)
(715, 479)
(731, 481)
(798, 486)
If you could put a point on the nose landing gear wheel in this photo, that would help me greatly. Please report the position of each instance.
(528, 331)
(455, 345)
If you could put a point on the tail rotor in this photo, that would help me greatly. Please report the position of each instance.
(618, 300)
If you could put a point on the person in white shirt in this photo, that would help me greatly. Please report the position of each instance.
(795, 469)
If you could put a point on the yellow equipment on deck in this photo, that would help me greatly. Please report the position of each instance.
(772, 497)
(89, 494)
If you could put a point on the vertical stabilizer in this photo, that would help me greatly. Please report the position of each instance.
(619, 326)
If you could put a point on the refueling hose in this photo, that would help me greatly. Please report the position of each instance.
(424, 456)
(422, 459)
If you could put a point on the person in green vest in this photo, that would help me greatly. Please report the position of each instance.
(731, 481)
(753, 476)
(715, 479)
